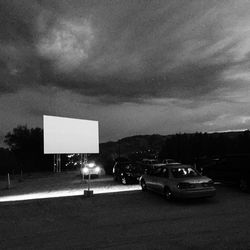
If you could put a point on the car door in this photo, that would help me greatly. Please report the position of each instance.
(161, 180)
(155, 174)
(148, 179)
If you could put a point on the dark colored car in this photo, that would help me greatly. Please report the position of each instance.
(178, 181)
(127, 172)
(169, 161)
(149, 164)
(234, 169)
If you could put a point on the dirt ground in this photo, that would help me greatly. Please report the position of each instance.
(44, 185)
(128, 220)
(42, 182)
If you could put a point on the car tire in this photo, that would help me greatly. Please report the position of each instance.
(143, 185)
(168, 193)
(244, 186)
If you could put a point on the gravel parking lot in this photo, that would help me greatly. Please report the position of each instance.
(128, 220)
(62, 184)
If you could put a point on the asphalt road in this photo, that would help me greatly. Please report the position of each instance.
(132, 220)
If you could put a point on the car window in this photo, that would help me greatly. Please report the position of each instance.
(134, 168)
(168, 161)
(184, 172)
(124, 165)
(149, 162)
(155, 172)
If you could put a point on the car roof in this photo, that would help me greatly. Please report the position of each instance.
(158, 164)
(176, 165)
(124, 162)
(149, 159)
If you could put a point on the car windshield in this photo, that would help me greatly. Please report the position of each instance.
(182, 172)
(169, 161)
(132, 168)
(150, 161)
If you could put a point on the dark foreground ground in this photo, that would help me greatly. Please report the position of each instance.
(132, 220)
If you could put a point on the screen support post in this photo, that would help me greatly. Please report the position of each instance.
(57, 163)
(81, 168)
(88, 192)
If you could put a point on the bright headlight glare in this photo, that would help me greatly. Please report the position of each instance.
(85, 170)
(97, 169)
(91, 165)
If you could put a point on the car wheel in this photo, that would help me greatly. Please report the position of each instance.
(143, 185)
(167, 193)
(243, 185)
(124, 180)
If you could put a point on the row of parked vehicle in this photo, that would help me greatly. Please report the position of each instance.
(173, 179)
(128, 172)
(231, 169)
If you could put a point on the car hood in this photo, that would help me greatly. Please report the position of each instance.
(194, 180)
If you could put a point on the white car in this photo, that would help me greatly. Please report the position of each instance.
(178, 180)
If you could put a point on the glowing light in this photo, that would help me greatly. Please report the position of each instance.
(97, 169)
(67, 193)
(85, 170)
(91, 165)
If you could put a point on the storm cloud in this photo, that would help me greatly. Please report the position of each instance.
(122, 50)
(179, 54)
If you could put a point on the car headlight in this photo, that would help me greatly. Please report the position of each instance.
(91, 164)
(97, 169)
(85, 170)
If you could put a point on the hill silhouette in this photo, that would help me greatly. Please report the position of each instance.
(26, 148)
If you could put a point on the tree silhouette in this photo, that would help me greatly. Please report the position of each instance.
(27, 146)
(8, 161)
(187, 148)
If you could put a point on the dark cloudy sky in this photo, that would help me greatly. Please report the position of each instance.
(136, 66)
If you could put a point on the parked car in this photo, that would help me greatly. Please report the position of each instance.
(233, 169)
(149, 164)
(90, 170)
(127, 172)
(149, 161)
(170, 161)
(178, 180)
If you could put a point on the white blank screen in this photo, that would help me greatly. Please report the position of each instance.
(68, 135)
